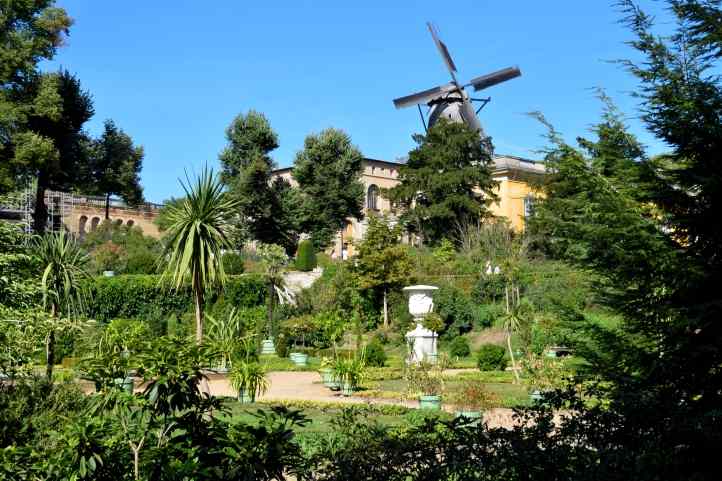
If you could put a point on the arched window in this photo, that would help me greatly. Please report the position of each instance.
(372, 197)
(118, 222)
(130, 223)
(81, 225)
(94, 223)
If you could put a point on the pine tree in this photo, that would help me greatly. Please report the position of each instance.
(446, 182)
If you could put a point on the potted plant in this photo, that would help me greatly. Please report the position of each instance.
(543, 374)
(348, 373)
(249, 380)
(424, 382)
(326, 371)
(224, 337)
(471, 400)
(298, 327)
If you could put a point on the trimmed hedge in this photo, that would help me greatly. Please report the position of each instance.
(306, 258)
(134, 296)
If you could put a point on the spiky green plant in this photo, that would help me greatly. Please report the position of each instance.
(64, 270)
(197, 235)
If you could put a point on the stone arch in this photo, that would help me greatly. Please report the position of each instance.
(117, 222)
(130, 223)
(372, 197)
(82, 221)
(94, 223)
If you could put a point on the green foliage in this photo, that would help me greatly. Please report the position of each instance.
(459, 347)
(64, 265)
(32, 32)
(328, 173)
(196, 240)
(19, 287)
(134, 296)
(489, 315)
(455, 309)
(382, 263)
(268, 208)
(374, 354)
(306, 257)
(491, 357)
(114, 166)
(249, 379)
(233, 263)
(122, 249)
(446, 182)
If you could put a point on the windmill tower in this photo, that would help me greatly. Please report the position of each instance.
(451, 100)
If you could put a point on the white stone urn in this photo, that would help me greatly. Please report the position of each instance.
(421, 300)
(422, 341)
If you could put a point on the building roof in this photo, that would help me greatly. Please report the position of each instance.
(501, 163)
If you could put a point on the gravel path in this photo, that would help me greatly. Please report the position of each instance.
(307, 386)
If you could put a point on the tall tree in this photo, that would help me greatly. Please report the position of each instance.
(196, 238)
(266, 206)
(655, 239)
(30, 32)
(328, 171)
(114, 166)
(58, 150)
(382, 263)
(446, 182)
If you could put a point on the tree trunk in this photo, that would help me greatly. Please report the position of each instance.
(50, 355)
(511, 355)
(199, 314)
(107, 206)
(269, 307)
(40, 214)
(386, 309)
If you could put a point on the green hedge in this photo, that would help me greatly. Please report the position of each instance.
(306, 258)
(134, 296)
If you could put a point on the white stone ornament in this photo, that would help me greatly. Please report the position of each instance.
(421, 341)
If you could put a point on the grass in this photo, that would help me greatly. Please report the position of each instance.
(498, 383)
(322, 416)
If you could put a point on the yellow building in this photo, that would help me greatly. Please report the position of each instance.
(516, 177)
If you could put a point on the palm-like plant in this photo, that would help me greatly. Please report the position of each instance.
(248, 378)
(197, 235)
(64, 270)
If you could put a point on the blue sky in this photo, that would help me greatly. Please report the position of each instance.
(174, 74)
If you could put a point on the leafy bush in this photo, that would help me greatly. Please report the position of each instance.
(491, 357)
(459, 347)
(455, 309)
(233, 263)
(306, 257)
(375, 354)
(488, 315)
(488, 289)
(129, 296)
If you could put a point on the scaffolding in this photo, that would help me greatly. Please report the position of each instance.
(19, 206)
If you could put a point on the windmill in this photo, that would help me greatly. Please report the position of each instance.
(450, 100)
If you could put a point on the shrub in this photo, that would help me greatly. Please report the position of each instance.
(233, 263)
(459, 347)
(491, 357)
(489, 314)
(455, 309)
(129, 296)
(306, 258)
(375, 354)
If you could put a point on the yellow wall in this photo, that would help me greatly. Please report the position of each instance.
(511, 195)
